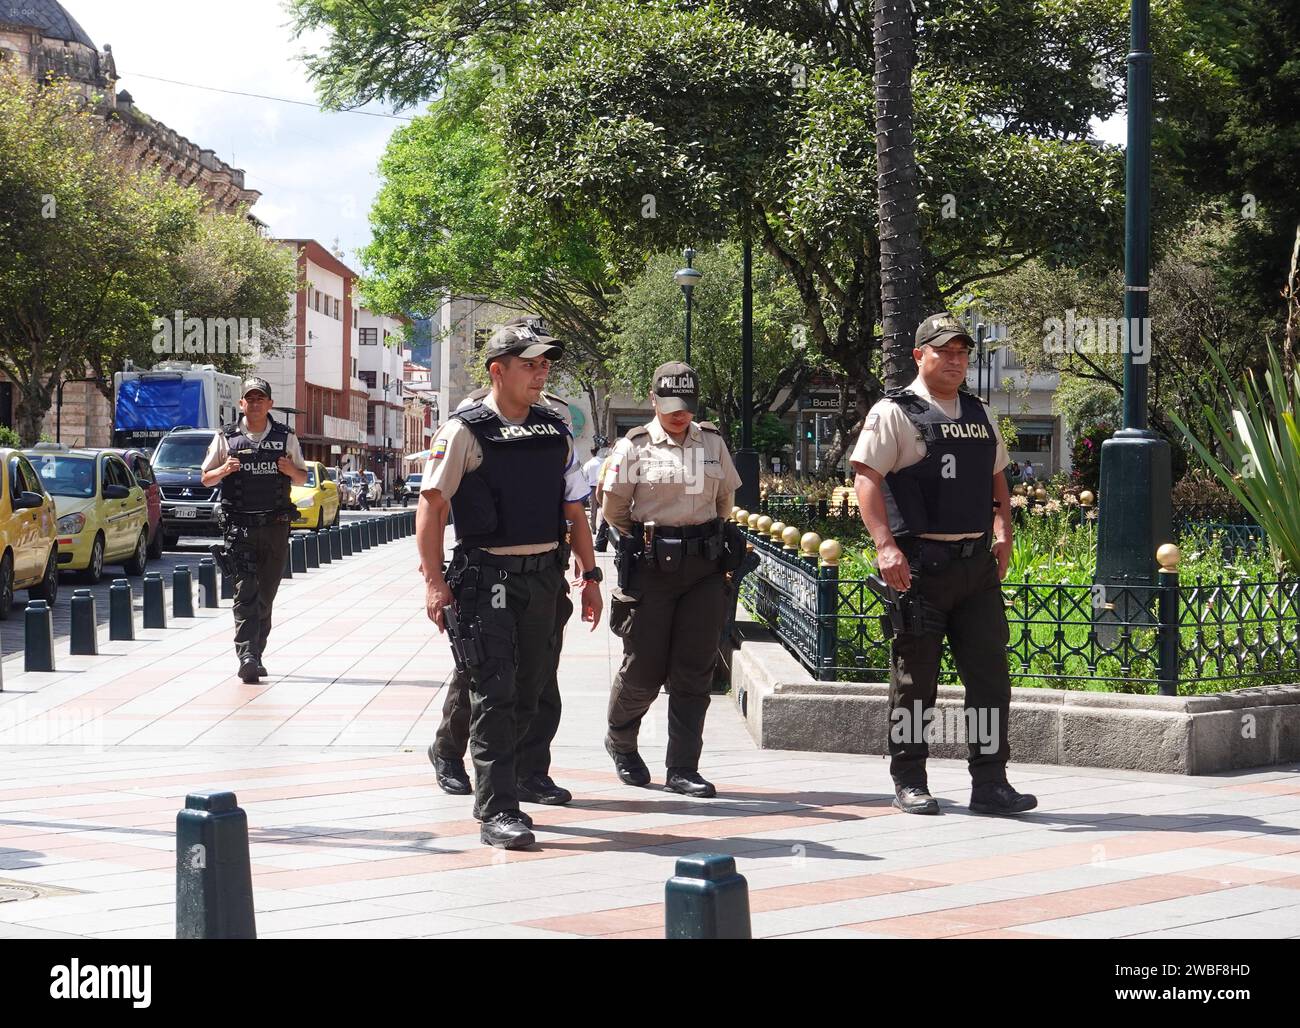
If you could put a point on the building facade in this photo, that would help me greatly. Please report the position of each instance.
(314, 377)
(380, 361)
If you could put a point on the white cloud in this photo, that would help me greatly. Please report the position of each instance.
(316, 171)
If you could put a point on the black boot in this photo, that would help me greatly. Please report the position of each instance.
(248, 670)
(1000, 798)
(506, 831)
(450, 774)
(915, 799)
(688, 782)
(630, 767)
(541, 789)
(528, 821)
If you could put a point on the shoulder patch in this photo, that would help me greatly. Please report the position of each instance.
(475, 413)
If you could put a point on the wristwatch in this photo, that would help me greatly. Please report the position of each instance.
(594, 575)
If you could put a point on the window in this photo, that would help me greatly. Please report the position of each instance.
(370, 420)
(368, 377)
(370, 337)
(117, 474)
(386, 382)
(354, 367)
(143, 472)
(336, 311)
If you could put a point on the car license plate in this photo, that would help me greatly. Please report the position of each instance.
(187, 512)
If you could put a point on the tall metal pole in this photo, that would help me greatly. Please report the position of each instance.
(1135, 507)
(688, 326)
(747, 456)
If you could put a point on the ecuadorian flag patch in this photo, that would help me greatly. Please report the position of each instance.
(440, 449)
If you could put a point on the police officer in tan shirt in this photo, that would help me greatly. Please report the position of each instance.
(533, 754)
(930, 486)
(667, 486)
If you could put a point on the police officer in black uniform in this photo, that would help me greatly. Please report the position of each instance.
(533, 755)
(930, 486)
(507, 470)
(256, 461)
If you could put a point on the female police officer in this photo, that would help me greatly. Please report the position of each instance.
(667, 487)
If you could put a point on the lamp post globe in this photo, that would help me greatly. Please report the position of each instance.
(688, 278)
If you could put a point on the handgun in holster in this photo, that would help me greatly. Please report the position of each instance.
(905, 613)
(465, 637)
(628, 548)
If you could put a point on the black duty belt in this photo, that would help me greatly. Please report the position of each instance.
(960, 548)
(514, 564)
(708, 530)
(253, 519)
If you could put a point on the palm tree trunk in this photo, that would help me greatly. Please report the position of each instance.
(900, 234)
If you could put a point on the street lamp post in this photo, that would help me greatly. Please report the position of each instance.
(1135, 515)
(747, 456)
(688, 278)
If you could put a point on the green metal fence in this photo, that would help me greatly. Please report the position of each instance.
(1173, 637)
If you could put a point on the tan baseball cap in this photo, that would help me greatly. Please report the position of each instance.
(676, 387)
(938, 330)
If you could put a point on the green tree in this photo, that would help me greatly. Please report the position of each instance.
(92, 252)
(650, 316)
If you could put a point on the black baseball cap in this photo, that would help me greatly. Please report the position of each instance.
(521, 337)
(676, 387)
(938, 330)
(258, 385)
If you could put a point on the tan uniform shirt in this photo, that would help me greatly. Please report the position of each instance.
(890, 442)
(219, 452)
(649, 477)
(456, 452)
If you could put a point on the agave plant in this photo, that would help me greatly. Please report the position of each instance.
(1262, 448)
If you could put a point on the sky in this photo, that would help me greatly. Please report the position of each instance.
(316, 170)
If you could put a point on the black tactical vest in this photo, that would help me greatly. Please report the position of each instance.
(950, 491)
(516, 496)
(257, 487)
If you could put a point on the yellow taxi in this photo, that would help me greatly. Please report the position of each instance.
(29, 549)
(317, 501)
(103, 510)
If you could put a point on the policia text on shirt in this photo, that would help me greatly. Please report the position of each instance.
(931, 490)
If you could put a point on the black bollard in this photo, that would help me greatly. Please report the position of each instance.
(384, 533)
(373, 527)
(706, 899)
(121, 616)
(324, 540)
(361, 541)
(288, 563)
(84, 632)
(298, 554)
(208, 583)
(182, 592)
(336, 543)
(311, 545)
(38, 637)
(214, 880)
(345, 540)
(155, 601)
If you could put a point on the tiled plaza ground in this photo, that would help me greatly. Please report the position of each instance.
(350, 837)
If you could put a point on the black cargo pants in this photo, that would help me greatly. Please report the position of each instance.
(968, 593)
(533, 752)
(257, 551)
(670, 635)
(516, 614)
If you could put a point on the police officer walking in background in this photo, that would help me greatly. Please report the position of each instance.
(256, 461)
(668, 486)
(930, 486)
(533, 753)
(507, 470)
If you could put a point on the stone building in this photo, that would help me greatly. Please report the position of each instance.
(42, 39)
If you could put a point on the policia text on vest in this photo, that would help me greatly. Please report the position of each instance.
(256, 461)
(930, 486)
(506, 469)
